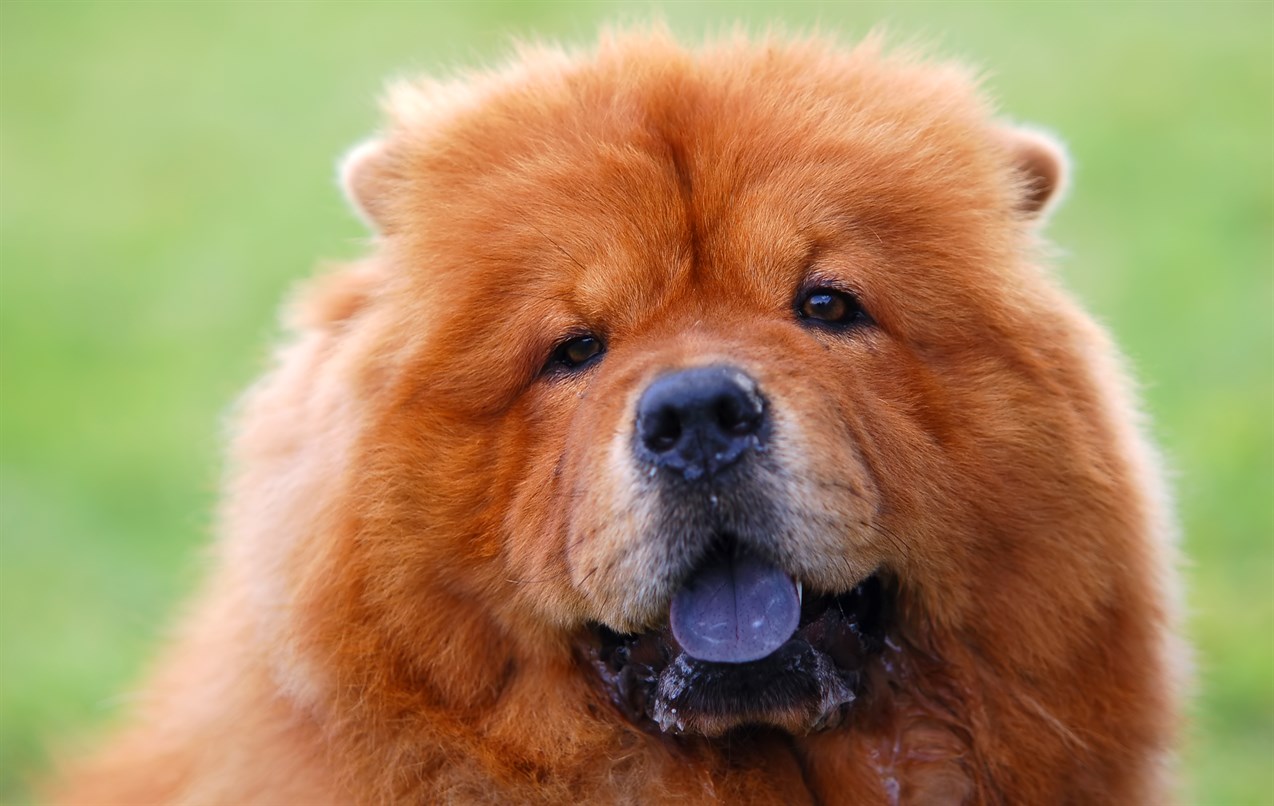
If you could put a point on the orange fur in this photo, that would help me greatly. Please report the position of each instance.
(418, 523)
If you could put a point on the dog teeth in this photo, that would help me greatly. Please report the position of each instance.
(800, 591)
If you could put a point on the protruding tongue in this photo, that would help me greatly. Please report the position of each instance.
(735, 610)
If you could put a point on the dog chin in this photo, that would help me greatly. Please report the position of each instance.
(810, 683)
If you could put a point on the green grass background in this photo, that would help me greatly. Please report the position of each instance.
(166, 172)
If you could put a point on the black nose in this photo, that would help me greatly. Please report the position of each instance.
(699, 421)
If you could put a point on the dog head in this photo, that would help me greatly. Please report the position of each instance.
(724, 366)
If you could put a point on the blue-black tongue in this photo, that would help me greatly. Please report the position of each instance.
(736, 609)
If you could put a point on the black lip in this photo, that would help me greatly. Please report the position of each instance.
(807, 684)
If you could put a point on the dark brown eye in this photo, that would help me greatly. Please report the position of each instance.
(832, 307)
(576, 351)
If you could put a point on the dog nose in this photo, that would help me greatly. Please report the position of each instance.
(699, 421)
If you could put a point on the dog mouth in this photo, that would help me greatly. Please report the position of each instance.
(745, 644)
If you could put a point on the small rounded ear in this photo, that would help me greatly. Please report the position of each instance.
(365, 177)
(1042, 164)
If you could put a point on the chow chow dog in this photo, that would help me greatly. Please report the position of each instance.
(702, 425)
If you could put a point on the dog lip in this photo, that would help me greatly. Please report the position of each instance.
(806, 684)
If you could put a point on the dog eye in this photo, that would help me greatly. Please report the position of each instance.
(577, 351)
(831, 306)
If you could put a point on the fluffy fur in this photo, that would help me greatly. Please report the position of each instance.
(421, 521)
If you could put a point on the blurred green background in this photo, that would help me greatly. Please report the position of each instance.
(166, 173)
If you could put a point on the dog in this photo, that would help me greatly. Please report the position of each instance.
(702, 425)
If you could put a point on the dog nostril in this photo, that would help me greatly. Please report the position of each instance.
(663, 430)
(735, 416)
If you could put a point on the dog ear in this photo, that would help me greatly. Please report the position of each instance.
(1043, 167)
(366, 178)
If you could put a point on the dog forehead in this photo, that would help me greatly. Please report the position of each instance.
(616, 183)
(614, 267)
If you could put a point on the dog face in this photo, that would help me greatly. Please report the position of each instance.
(722, 370)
